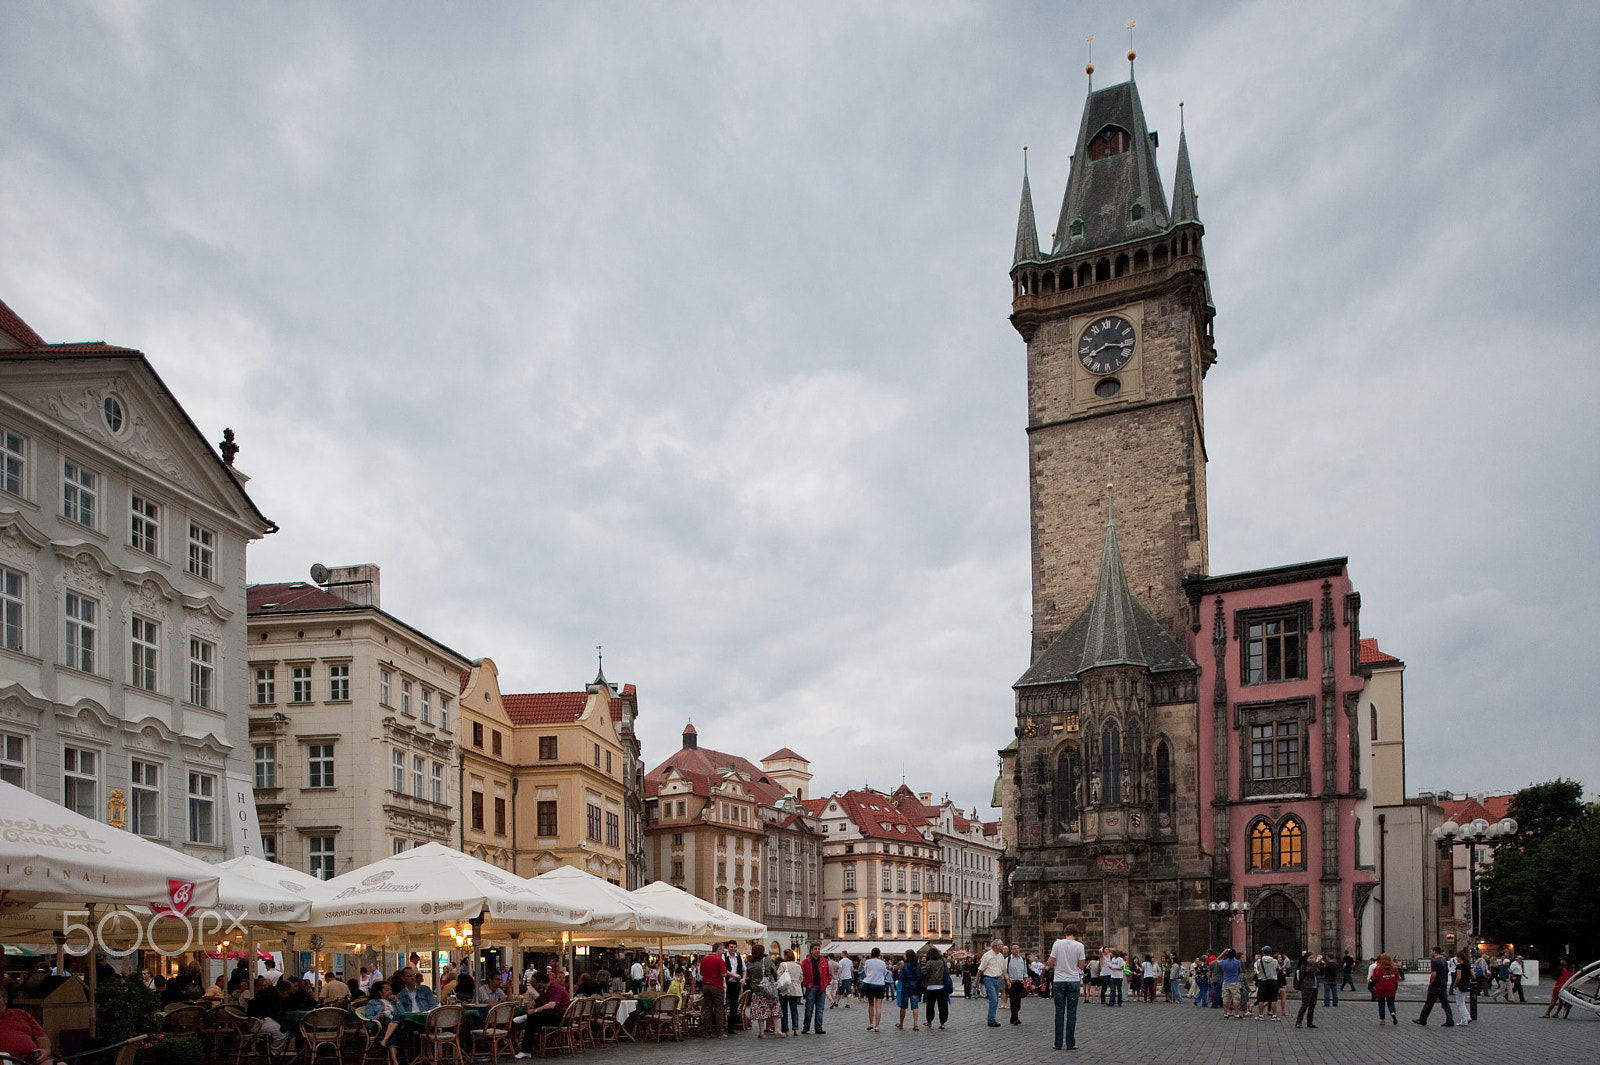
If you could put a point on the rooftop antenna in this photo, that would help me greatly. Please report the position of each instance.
(1089, 68)
(1131, 52)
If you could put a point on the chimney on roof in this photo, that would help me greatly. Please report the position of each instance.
(354, 584)
(691, 739)
(925, 798)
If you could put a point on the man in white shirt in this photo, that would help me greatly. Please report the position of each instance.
(1066, 976)
(992, 968)
(636, 976)
(846, 982)
(1016, 981)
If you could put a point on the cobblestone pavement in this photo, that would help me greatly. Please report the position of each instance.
(1154, 1034)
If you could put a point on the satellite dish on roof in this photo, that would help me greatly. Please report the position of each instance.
(319, 573)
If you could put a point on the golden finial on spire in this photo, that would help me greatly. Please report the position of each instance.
(1089, 69)
(1131, 52)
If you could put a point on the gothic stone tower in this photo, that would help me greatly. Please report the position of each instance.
(1117, 319)
(1102, 784)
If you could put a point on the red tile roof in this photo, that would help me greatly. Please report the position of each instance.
(466, 675)
(877, 817)
(291, 597)
(814, 806)
(1491, 808)
(545, 708)
(703, 766)
(688, 730)
(784, 752)
(1370, 655)
(11, 323)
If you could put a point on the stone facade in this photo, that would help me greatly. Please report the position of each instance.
(122, 598)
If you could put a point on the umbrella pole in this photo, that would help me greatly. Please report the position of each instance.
(255, 966)
(433, 963)
(93, 974)
(516, 963)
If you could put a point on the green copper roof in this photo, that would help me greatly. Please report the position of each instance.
(1027, 229)
(1185, 204)
(1102, 193)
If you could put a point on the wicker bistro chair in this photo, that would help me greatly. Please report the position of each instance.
(442, 1035)
(665, 1020)
(607, 1029)
(498, 1030)
(187, 1019)
(228, 1026)
(692, 1015)
(741, 1017)
(566, 1035)
(323, 1030)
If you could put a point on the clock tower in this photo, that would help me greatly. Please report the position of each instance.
(1117, 319)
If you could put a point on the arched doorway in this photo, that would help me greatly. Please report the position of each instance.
(1279, 925)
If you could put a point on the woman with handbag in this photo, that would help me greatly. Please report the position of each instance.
(909, 981)
(790, 992)
(937, 986)
(763, 993)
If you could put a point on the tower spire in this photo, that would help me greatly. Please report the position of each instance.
(1113, 635)
(1185, 204)
(1027, 250)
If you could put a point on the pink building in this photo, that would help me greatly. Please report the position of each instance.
(1282, 763)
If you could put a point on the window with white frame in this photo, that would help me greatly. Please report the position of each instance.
(444, 713)
(849, 921)
(436, 782)
(850, 876)
(145, 810)
(202, 552)
(339, 683)
(427, 707)
(13, 461)
(13, 759)
(266, 686)
(321, 851)
(269, 848)
(405, 697)
(383, 686)
(300, 684)
(13, 598)
(399, 846)
(80, 782)
(145, 640)
(418, 764)
(80, 493)
(916, 880)
(266, 765)
(202, 672)
(144, 525)
(397, 771)
(202, 808)
(82, 625)
(319, 765)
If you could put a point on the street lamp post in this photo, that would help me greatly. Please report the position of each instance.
(1451, 835)
(1237, 912)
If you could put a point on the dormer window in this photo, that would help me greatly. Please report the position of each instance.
(1075, 229)
(1136, 212)
(1112, 140)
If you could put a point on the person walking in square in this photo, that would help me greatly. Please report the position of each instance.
(815, 975)
(992, 970)
(1016, 977)
(1306, 977)
(1438, 990)
(1385, 983)
(937, 986)
(1066, 985)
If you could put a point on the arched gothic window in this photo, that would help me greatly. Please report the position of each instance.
(1110, 141)
(1111, 765)
(1261, 845)
(1374, 708)
(1291, 845)
(1067, 785)
(1163, 779)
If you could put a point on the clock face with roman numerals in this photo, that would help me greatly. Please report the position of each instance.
(1106, 345)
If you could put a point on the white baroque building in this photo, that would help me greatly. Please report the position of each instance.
(122, 598)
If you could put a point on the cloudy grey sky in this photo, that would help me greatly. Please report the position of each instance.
(682, 329)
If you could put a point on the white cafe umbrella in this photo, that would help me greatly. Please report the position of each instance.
(614, 909)
(434, 884)
(710, 922)
(51, 854)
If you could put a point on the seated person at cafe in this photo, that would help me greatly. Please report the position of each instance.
(383, 1018)
(551, 1001)
(413, 995)
(589, 984)
(334, 991)
(495, 992)
(20, 1034)
(187, 986)
(216, 992)
(464, 991)
(296, 995)
(266, 1014)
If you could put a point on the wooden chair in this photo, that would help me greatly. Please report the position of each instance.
(692, 1015)
(566, 1035)
(499, 1031)
(227, 1029)
(665, 1020)
(442, 1035)
(607, 1028)
(187, 1019)
(741, 1018)
(323, 1031)
(252, 1042)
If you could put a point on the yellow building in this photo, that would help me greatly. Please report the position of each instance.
(569, 775)
(488, 779)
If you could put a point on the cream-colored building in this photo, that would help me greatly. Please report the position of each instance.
(571, 778)
(488, 813)
(353, 725)
(969, 877)
(122, 598)
(880, 870)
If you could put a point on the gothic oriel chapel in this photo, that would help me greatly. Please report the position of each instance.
(1118, 781)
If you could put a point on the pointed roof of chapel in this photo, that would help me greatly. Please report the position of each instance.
(1027, 250)
(1102, 193)
(1185, 204)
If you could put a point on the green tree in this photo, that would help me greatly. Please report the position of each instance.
(1541, 892)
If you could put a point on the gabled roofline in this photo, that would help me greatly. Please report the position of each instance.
(354, 608)
(268, 526)
(1258, 578)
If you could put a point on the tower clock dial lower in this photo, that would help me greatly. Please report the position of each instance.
(1106, 345)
